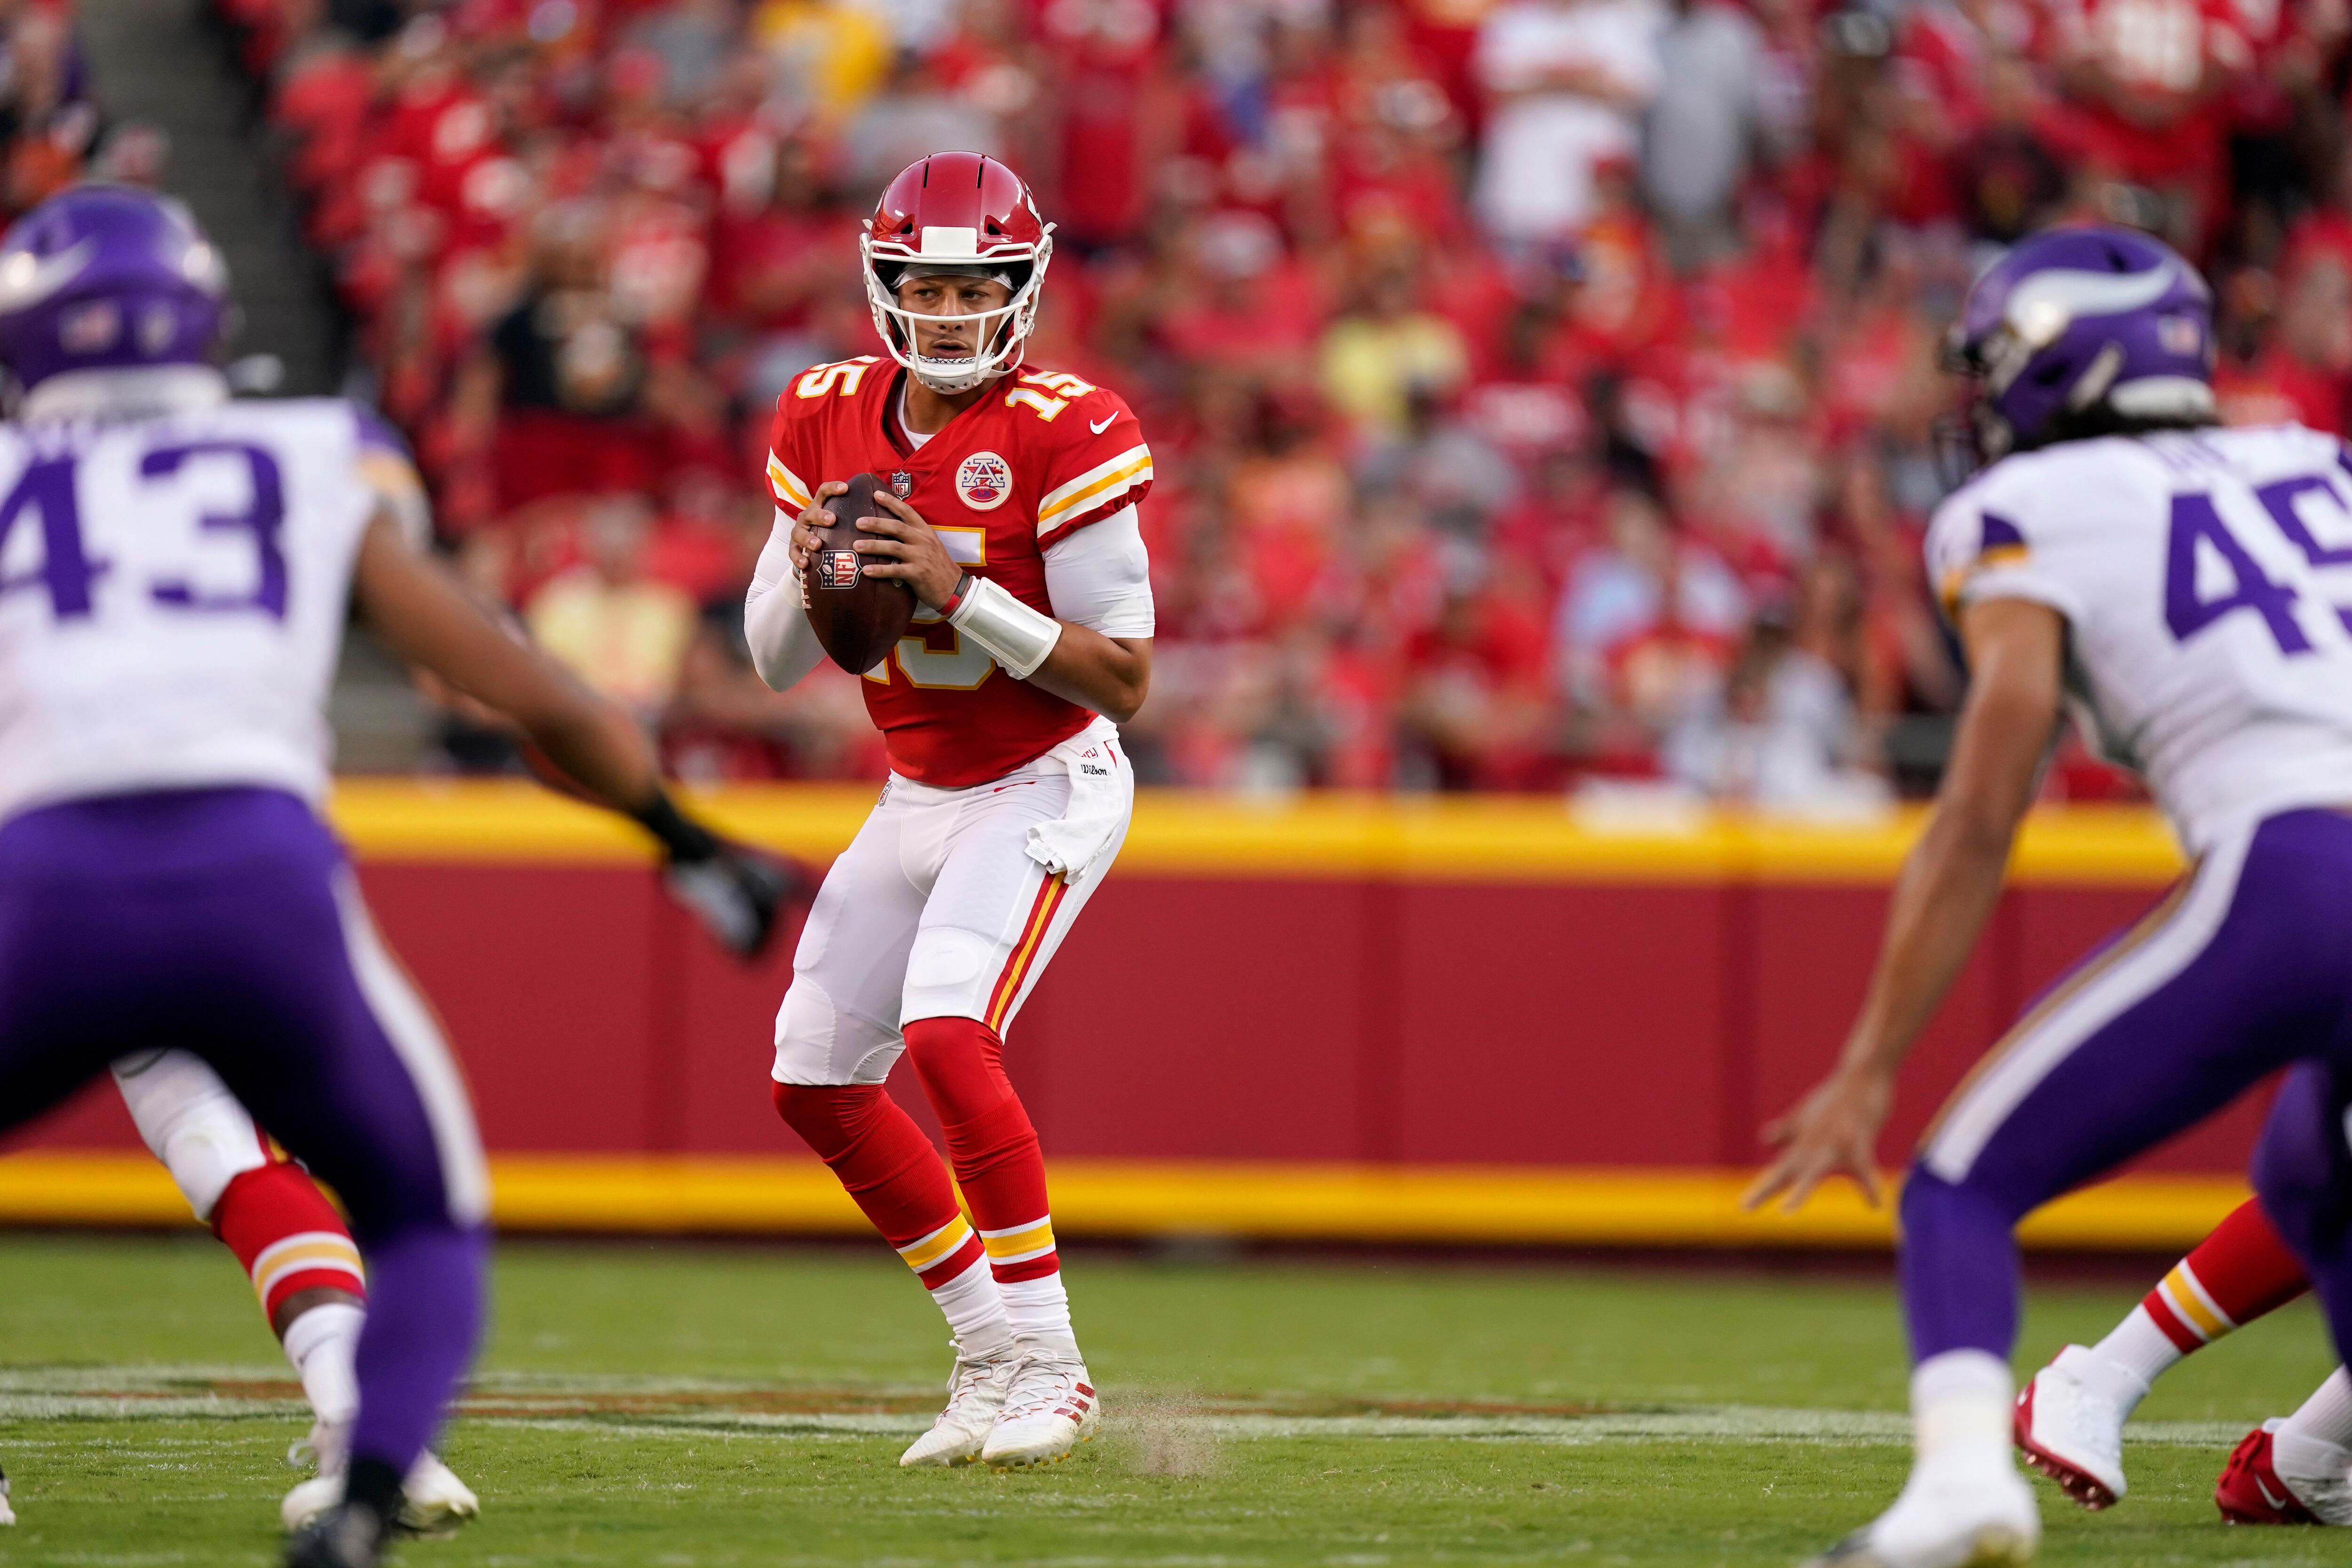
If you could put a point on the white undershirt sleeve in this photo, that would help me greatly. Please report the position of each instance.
(783, 644)
(1099, 577)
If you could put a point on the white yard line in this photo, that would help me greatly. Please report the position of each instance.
(546, 1402)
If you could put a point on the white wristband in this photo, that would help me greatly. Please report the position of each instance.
(1007, 631)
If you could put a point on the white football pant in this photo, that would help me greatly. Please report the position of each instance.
(191, 1122)
(934, 910)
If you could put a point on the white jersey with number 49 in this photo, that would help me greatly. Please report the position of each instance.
(173, 595)
(2206, 579)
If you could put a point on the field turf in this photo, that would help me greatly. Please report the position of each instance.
(688, 1407)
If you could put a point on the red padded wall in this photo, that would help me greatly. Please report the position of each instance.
(1314, 1018)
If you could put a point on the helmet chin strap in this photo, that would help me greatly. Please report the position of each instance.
(948, 385)
(952, 376)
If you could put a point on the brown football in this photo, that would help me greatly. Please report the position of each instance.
(859, 618)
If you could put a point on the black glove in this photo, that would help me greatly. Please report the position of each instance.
(735, 893)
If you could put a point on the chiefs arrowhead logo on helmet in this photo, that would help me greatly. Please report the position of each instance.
(966, 211)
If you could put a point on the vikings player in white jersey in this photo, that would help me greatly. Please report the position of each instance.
(175, 570)
(2168, 579)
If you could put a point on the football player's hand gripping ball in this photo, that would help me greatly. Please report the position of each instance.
(909, 549)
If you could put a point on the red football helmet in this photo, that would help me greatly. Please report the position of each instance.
(968, 214)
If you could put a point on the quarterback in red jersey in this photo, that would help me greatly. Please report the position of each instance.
(1009, 496)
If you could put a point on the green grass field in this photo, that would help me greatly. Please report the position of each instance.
(688, 1407)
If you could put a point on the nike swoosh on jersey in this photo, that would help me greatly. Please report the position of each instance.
(1099, 429)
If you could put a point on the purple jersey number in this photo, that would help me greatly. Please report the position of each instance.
(264, 517)
(2187, 612)
(68, 571)
(47, 488)
(2186, 609)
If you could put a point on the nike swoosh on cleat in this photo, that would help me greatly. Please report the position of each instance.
(2279, 1503)
(1099, 429)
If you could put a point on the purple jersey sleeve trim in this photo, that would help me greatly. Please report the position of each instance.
(376, 433)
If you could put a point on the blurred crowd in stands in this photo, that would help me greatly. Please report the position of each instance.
(1544, 392)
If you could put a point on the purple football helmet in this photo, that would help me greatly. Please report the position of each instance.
(2081, 332)
(108, 278)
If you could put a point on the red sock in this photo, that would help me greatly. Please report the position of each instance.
(990, 1142)
(287, 1234)
(2230, 1278)
(890, 1170)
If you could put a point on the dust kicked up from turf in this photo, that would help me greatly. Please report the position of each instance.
(1160, 1435)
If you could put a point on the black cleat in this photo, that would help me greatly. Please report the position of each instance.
(355, 1532)
(348, 1535)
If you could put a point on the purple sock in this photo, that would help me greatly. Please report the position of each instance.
(425, 1313)
(1958, 1268)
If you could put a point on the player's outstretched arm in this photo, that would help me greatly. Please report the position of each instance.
(1949, 884)
(427, 618)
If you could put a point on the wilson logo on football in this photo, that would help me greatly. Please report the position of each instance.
(836, 568)
(985, 480)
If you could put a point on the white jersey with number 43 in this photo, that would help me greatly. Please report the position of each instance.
(173, 595)
(2206, 579)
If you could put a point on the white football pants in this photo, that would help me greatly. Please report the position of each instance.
(936, 910)
(192, 1122)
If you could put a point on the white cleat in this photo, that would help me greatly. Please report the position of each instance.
(976, 1393)
(1050, 1409)
(434, 1501)
(2071, 1428)
(1949, 1516)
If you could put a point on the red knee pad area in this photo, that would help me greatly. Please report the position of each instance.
(888, 1168)
(287, 1236)
(962, 1063)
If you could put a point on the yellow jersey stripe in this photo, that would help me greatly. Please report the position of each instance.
(1100, 491)
(1955, 582)
(1103, 478)
(787, 484)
